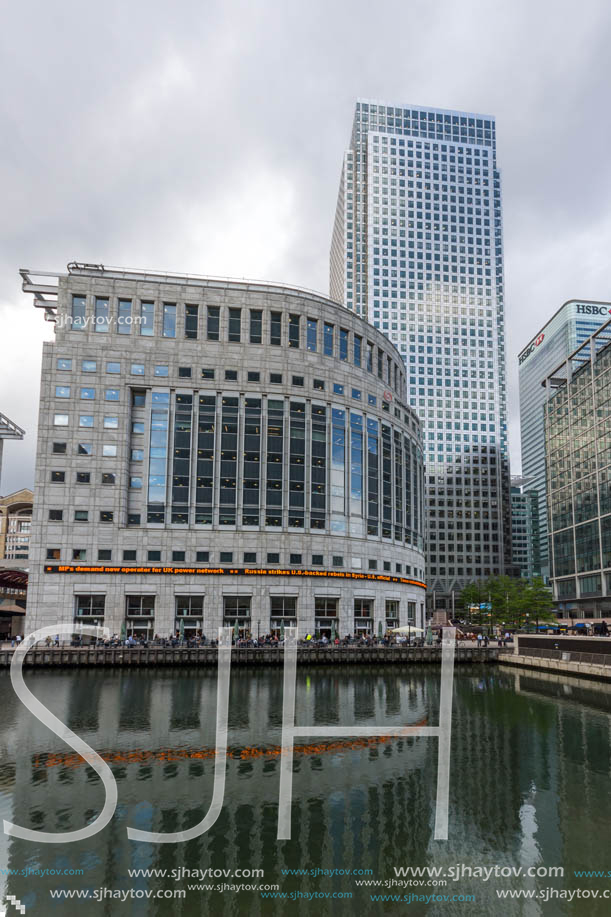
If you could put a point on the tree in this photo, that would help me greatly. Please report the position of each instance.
(514, 602)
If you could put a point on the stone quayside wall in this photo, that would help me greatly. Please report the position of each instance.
(250, 656)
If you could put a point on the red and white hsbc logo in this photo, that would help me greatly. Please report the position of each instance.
(526, 353)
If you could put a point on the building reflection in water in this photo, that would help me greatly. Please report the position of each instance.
(529, 779)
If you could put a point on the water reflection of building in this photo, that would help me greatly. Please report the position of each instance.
(529, 775)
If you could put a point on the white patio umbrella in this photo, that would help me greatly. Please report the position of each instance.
(408, 629)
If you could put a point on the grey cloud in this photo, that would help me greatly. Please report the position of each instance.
(208, 137)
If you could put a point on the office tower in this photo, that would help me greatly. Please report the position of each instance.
(578, 466)
(219, 452)
(417, 249)
(569, 327)
(525, 542)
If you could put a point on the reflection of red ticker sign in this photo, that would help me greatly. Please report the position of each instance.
(228, 571)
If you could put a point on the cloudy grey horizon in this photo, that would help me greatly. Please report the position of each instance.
(207, 138)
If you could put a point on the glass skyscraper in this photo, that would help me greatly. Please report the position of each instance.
(566, 330)
(417, 249)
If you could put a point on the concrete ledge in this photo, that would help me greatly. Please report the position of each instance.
(557, 666)
(80, 657)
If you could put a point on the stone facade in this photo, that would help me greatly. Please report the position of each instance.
(237, 443)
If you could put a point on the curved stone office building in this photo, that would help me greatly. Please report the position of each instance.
(218, 451)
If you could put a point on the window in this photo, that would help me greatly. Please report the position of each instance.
(147, 318)
(113, 367)
(325, 608)
(169, 320)
(109, 450)
(85, 420)
(138, 398)
(105, 554)
(236, 606)
(202, 557)
(294, 324)
(137, 455)
(83, 477)
(102, 314)
(84, 449)
(235, 326)
(59, 448)
(256, 326)
(135, 483)
(343, 344)
(283, 609)
(275, 329)
(111, 423)
(213, 323)
(108, 477)
(89, 606)
(273, 558)
(89, 366)
(184, 372)
(106, 515)
(226, 557)
(111, 394)
(231, 375)
(311, 334)
(387, 566)
(191, 321)
(53, 554)
(124, 318)
(250, 557)
(60, 420)
(64, 365)
(317, 560)
(58, 477)
(338, 389)
(129, 555)
(319, 385)
(338, 560)
(328, 339)
(356, 394)
(79, 554)
(358, 347)
(140, 606)
(81, 515)
(137, 369)
(275, 378)
(62, 391)
(371, 399)
(254, 377)
(207, 374)
(373, 564)
(295, 559)
(178, 556)
(56, 515)
(297, 380)
(161, 370)
(133, 518)
(153, 555)
(77, 317)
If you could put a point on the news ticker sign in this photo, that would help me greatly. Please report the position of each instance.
(227, 571)
(596, 311)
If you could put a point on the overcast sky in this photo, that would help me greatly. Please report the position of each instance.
(207, 137)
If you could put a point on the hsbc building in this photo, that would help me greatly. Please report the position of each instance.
(571, 325)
